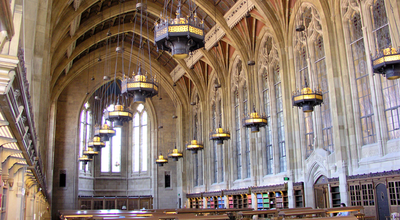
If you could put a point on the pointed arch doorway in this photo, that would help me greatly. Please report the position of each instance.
(321, 192)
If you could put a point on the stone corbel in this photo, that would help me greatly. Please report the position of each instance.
(7, 72)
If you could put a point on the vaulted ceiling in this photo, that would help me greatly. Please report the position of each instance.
(79, 37)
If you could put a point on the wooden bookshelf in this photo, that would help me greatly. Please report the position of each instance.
(239, 201)
(298, 196)
(271, 200)
(212, 202)
(335, 196)
(221, 202)
(196, 203)
(263, 201)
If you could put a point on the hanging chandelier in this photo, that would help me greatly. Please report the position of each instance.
(220, 135)
(84, 159)
(387, 62)
(143, 84)
(161, 160)
(255, 121)
(140, 87)
(306, 98)
(181, 35)
(90, 153)
(117, 115)
(175, 154)
(96, 144)
(104, 132)
(194, 146)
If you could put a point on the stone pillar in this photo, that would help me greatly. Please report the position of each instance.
(15, 205)
(309, 194)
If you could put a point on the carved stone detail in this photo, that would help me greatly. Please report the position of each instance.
(237, 12)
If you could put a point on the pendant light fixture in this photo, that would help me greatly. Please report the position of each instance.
(306, 98)
(219, 135)
(143, 84)
(181, 35)
(387, 61)
(175, 154)
(194, 145)
(254, 121)
(161, 160)
(117, 112)
(84, 159)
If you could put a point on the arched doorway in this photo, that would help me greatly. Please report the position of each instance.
(382, 201)
(321, 192)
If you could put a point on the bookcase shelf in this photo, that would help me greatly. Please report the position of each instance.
(335, 196)
(298, 195)
(272, 200)
(239, 201)
(196, 203)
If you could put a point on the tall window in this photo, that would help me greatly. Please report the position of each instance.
(111, 153)
(390, 88)
(85, 132)
(221, 150)
(310, 66)
(246, 133)
(280, 121)
(198, 157)
(358, 67)
(237, 135)
(319, 53)
(140, 140)
(268, 133)
(215, 146)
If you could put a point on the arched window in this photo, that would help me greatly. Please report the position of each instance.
(140, 140)
(85, 133)
(390, 88)
(198, 157)
(311, 67)
(358, 69)
(215, 146)
(246, 133)
(111, 153)
(280, 119)
(237, 135)
(376, 22)
(268, 133)
(272, 105)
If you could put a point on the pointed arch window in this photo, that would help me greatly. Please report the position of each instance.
(215, 146)
(268, 132)
(358, 67)
(280, 120)
(390, 88)
(311, 65)
(237, 135)
(85, 133)
(140, 140)
(246, 134)
(198, 157)
(111, 153)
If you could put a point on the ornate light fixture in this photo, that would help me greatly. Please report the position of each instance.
(140, 87)
(96, 144)
(255, 121)
(181, 35)
(118, 115)
(220, 135)
(175, 154)
(84, 159)
(90, 153)
(306, 98)
(104, 132)
(143, 84)
(387, 62)
(194, 146)
(161, 160)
